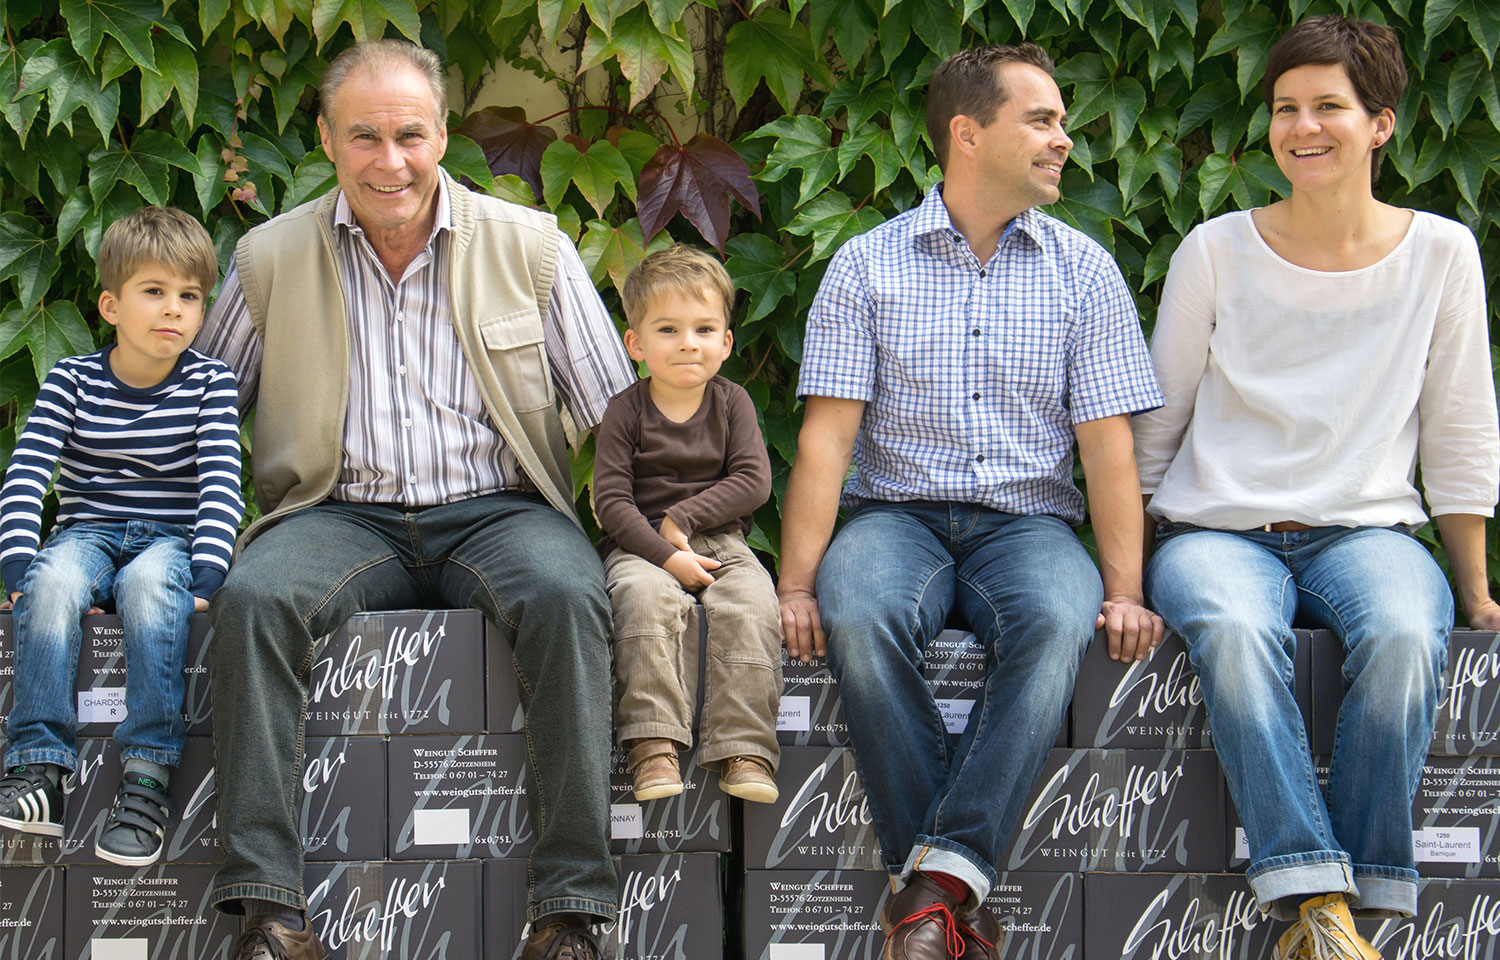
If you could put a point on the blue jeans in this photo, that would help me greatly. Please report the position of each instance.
(529, 569)
(1027, 588)
(1232, 597)
(145, 566)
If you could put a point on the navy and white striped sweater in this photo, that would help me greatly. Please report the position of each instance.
(168, 453)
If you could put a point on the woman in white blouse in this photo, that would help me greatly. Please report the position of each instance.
(1310, 351)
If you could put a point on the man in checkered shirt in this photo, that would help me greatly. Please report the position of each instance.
(956, 354)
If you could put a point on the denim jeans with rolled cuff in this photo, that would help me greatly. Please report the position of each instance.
(524, 565)
(1232, 597)
(1027, 588)
(146, 567)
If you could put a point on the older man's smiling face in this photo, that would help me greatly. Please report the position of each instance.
(385, 140)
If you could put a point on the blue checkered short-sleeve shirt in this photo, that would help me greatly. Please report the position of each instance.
(973, 375)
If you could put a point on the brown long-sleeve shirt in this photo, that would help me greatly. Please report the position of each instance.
(708, 473)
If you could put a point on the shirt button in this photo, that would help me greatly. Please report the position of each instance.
(412, 477)
(400, 316)
(976, 331)
(981, 273)
(979, 459)
(402, 369)
(976, 396)
(407, 422)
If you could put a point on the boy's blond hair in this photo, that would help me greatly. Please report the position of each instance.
(679, 267)
(162, 236)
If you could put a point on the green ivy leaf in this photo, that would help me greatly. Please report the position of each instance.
(1094, 207)
(1174, 52)
(595, 172)
(1163, 161)
(637, 148)
(143, 165)
(766, 48)
(609, 251)
(510, 187)
(1251, 178)
(644, 53)
(666, 14)
(367, 18)
(757, 264)
(51, 332)
(803, 143)
(1207, 102)
(940, 26)
(62, 161)
(129, 21)
(69, 86)
(19, 113)
(264, 157)
(1128, 102)
(851, 23)
(208, 178)
(1021, 12)
(880, 146)
(1151, 14)
(211, 14)
(313, 177)
(1159, 259)
(1436, 17)
(831, 219)
(75, 210)
(114, 62)
(27, 256)
(1250, 37)
(464, 158)
(555, 15)
(1467, 155)
(1483, 27)
(286, 94)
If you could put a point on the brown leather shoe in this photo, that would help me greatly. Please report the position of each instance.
(265, 939)
(921, 923)
(562, 936)
(748, 778)
(981, 935)
(653, 767)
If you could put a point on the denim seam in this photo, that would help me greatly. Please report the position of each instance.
(343, 582)
(979, 721)
(915, 626)
(488, 588)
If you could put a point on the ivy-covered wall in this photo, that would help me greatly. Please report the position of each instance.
(809, 120)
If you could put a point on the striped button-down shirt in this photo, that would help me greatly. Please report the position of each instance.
(974, 374)
(417, 432)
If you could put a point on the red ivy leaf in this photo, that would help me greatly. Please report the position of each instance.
(696, 180)
(509, 142)
(578, 142)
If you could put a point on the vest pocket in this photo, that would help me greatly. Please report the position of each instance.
(518, 356)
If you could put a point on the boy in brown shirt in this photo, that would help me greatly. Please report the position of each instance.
(679, 468)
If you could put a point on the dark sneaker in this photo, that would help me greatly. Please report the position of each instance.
(29, 802)
(137, 824)
(562, 936)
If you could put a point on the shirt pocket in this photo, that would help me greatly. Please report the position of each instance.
(517, 351)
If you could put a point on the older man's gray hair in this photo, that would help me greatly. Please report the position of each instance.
(377, 54)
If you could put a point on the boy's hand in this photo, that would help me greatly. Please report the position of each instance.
(200, 605)
(690, 569)
(673, 534)
(11, 602)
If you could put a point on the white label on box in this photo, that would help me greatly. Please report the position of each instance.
(119, 948)
(1241, 844)
(796, 714)
(440, 827)
(101, 705)
(1446, 844)
(955, 713)
(627, 821)
(796, 951)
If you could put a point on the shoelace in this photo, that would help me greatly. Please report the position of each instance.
(952, 936)
(580, 942)
(1319, 928)
(257, 936)
(965, 928)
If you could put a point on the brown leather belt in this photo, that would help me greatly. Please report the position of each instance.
(1286, 526)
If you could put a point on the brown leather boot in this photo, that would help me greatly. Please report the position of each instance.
(921, 923)
(562, 936)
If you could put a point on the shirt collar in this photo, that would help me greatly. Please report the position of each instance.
(343, 214)
(933, 219)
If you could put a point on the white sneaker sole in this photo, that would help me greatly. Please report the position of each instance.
(124, 861)
(38, 827)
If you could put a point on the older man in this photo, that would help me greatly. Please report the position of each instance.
(408, 342)
(957, 353)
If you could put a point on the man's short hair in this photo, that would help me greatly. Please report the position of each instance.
(162, 236)
(968, 84)
(682, 268)
(1370, 54)
(379, 54)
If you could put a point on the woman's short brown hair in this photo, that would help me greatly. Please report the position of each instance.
(1370, 54)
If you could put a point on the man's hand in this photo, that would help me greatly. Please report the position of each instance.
(1485, 616)
(12, 601)
(673, 534)
(801, 629)
(1132, 630)
(690, 569)
(200, 605)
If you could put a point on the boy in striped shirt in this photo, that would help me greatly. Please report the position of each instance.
(145, 437)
